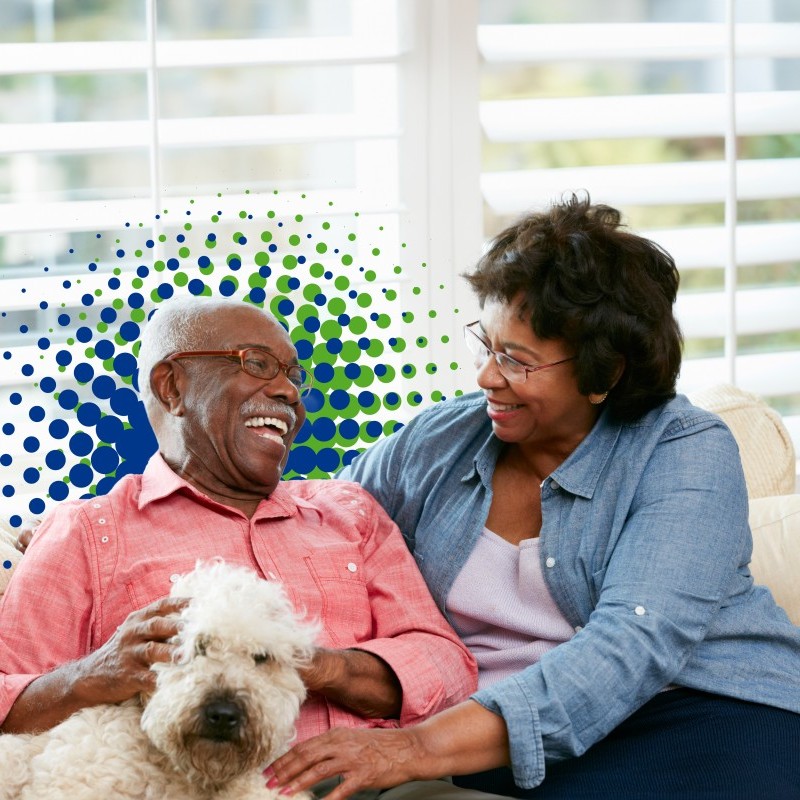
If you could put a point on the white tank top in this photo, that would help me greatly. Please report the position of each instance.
(501, 608)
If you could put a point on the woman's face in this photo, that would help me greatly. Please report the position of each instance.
(547, 407)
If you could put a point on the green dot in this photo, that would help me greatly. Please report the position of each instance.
(389, 375)
(305, 311)
(421, 341)
(391, 294)
(102, 327)
(407, 316)
(376, 251)
(351, 237)
(256, 281)
(437, 396)
(347, 259)
(118, 304)
(408, 371)
(432, 314)
(261, 258)
(211, 243)
(364, 300)
(445, 339)
(398, 269)
(289, 261)
(369, 275)
(454, 365)
(266, 236)
(320, 355)
(336, 306)
(294, 240)
(159, 266)
(326, 226)
(414, 398)
(310, 291)
(184, 252)
(138, 315)
(383, 321)
(416, 290)
(375, 348)
(321, 247)
(181, 279)
(357, 325)
(351, 352)
(399, 344)
(282, 284)
(431, 369)
(366, 378)
(331, 329)
(342, 283)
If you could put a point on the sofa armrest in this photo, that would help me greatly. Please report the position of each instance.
(775, 522)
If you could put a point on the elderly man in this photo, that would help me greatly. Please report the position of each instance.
(86, 613)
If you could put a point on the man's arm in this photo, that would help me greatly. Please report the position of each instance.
(119, 670)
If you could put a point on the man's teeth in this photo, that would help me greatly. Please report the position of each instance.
(264, 422)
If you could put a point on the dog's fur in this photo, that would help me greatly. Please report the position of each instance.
(221, 711)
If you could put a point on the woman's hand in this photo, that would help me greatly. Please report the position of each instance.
(463, 739)
(365, 759)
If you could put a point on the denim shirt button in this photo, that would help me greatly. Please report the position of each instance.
(551, 562)
(578, 628)
(639, 611)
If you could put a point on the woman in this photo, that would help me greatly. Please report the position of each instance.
(585, 531)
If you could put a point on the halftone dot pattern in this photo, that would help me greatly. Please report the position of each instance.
(93, 429)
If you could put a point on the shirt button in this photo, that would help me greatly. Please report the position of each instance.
(578, 628)
(352, 567)
(551, 562)
(639, 611)
(102, 521)
(272, 576)
(95, 505)
(104, 540)
(174, 578)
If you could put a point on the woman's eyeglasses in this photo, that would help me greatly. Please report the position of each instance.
(512, 370)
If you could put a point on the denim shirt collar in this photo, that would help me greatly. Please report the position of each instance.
(578, 474)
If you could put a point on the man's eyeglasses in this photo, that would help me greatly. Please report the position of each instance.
(256, 362)
(512, 370)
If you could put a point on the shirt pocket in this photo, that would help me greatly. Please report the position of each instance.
(338, 576)
(152, 583)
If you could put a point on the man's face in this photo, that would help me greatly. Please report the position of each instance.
(237, 429)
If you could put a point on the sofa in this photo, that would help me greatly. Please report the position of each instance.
(768, 460)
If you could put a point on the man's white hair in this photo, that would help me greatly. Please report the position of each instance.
(185, 323)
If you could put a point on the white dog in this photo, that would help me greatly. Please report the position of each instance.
(221, 711)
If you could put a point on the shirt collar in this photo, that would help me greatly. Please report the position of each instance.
(578, 474)
(159, 480)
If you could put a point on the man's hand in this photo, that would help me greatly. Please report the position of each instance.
(117, 671)
(365, 759)
(26, 534)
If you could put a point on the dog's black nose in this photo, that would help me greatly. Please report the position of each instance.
(221, 720)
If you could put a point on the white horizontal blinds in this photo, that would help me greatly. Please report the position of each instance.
(631, 105)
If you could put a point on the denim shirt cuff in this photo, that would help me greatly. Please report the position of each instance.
(510, 700)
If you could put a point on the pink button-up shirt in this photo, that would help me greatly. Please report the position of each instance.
(339, 556)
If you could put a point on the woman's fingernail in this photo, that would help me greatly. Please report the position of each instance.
(286, 791)
(272, 783)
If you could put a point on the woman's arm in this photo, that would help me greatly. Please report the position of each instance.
(463, 739)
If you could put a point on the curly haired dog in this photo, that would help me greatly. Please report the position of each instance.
(222, 710)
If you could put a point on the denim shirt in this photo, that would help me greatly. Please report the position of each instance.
(645, 546)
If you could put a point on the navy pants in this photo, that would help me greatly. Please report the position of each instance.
(681, 745)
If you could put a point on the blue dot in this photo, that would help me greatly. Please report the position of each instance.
(68, 399)
(257, 295)
(87, 300)
(348, 429)
(135, 300)
(323, 373)
(352, 371)
(125, 364)
(8, 428)
(323, 429)
(320, 299)
(27, 370)
(55, 459)
(105, 485)
(374, 428)
(120, 253)
(392, 398)
(285, 306)
(328, 459)
(105, 460)
(339, 399)
(343, 320)
(109, 429)
(265, 271)
(173, 264)
(293, 283)
(103, 387)
(15, 521)
(81, 475)
(334, 346)
(212, 237)
(58, 429)
(43, 343)
(313, 401)
(81, 444)
(36, 506)
(304, 433)
(227, 288)
(301, 459)
(7, 564)
(31, 475)
(364, 343)
(6, 460)
(273, 248)
(58, 490)
(366, 399)
(30, 444)
(63, 358)
(304, 349)
(234, 264)
(352, 294)
(142, 271)
(203, 261)
(129, 331)
(8, 490)
(124, 401)
(36, 413)
(348, 457)
(104, 349)
(89, 414)
(16, 398)
(64, 320)
(311, 324)
(83, 373)
(196, 286)
(83, 334)
(108, 315)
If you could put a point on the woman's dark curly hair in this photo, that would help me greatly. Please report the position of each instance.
(581, 277)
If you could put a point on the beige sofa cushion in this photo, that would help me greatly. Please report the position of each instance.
(765, 446)
(775, 522)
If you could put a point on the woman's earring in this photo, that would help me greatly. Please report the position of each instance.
(600, 398)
